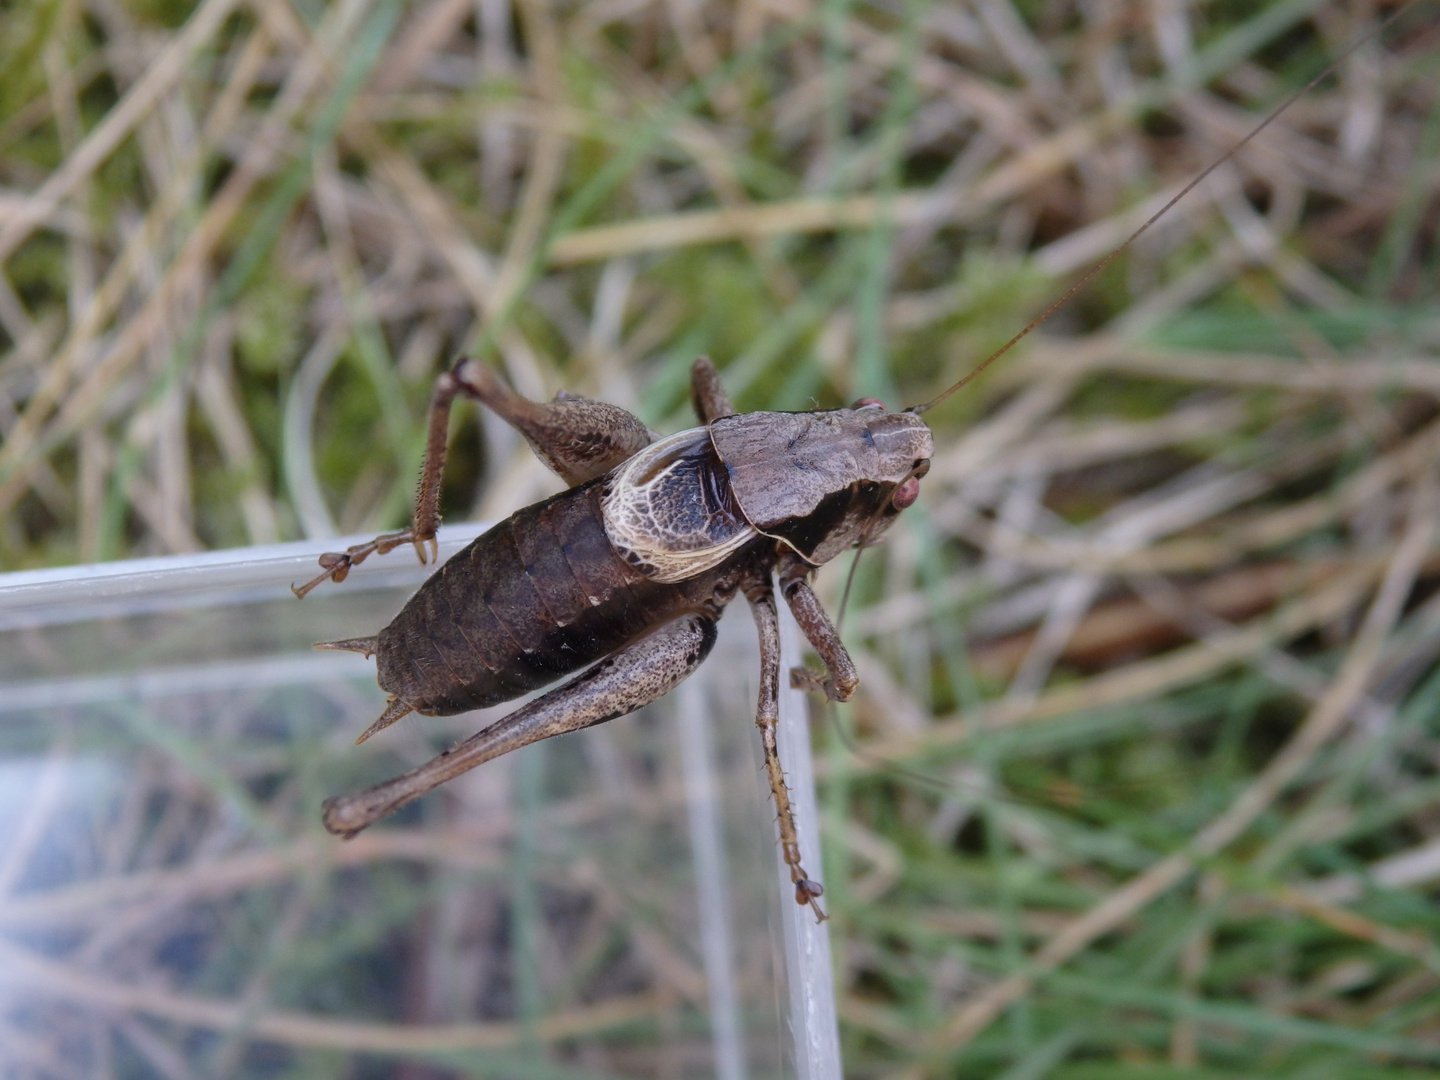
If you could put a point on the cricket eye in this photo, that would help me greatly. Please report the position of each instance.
(860, 403)
(906, 493)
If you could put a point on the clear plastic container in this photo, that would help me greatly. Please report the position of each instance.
(608, 903)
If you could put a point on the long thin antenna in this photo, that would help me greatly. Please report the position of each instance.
(1330, 67)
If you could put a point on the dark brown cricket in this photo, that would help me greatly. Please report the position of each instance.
(628, 570)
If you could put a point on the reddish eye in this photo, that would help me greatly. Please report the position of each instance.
(860, 403)
(906, 493)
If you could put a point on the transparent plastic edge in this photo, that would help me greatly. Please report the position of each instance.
(232, 575)
(811, 985)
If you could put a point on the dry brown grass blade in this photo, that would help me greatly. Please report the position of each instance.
(543, 172)
(1134, 625)
(1410, 946)
(1319, 726)
(1138, 681)
(159, 79)
(65, 403)
(732, 223)
(298, 1029)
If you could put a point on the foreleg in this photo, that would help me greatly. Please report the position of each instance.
(619, 684)
(840, 678)
(767, 717)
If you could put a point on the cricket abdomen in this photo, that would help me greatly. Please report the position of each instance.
(539, 596)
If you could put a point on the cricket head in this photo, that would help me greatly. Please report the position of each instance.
(823, 481)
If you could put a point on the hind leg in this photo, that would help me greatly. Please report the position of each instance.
(578, 438)
(619, 684)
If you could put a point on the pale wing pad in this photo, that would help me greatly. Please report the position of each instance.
(669, 511)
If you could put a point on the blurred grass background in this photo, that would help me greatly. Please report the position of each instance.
(1142, 777)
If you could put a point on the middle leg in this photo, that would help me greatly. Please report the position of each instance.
(707, 393)
(767, 717)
